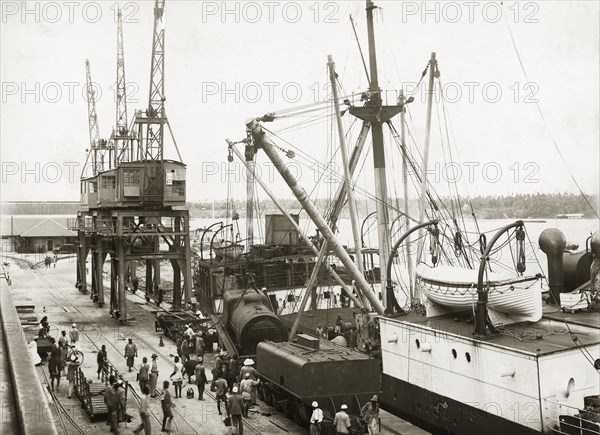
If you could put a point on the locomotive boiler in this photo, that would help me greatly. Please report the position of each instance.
(248, 319)
(296, 374)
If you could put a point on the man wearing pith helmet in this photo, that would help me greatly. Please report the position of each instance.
(341, 421)
(315, 419)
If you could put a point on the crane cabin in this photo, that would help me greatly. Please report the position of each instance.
(136, 184)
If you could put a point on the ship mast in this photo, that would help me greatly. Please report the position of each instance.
(347, 175)
(423, 199)
(403, 103)
(375, 112)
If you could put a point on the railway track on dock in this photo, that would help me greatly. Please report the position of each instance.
(389, 429)
(61, 411)
(248, 426)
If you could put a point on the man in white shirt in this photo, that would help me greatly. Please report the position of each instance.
(144, 413)
(341, 421)
(315, 419)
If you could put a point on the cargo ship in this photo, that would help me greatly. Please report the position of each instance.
(465, 350)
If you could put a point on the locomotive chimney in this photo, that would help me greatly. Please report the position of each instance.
(552, 241)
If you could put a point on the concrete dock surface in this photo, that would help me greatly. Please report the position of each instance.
(53, 293)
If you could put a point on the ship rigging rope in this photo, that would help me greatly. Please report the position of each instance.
(311, 163)
(586, 353)
(312, 107)
(546, 126)
(448, 126)
(440, 213)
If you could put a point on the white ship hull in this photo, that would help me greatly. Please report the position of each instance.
(436, 374)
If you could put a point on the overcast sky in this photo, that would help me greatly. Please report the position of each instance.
(228, 61)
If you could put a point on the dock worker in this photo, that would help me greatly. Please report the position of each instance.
(122, 402)
(177, 377)
(247, 368)
(225, 365)
(101, 359)
(201, 380)
(74, 334)
(153, 375)
(221, 388)
(144, 373)
(316, 419)
(189, 367)
(144, 413)
(199, 344)
(319, 331)
(341, 421)
(185, 350)
(112, 404)
(43, 327)
(167, 405)
(178, 344)
(189, 332)
(248, 390)
(370, 415)
(63, 343)
(35, 356)
(232, 372)
(236, 407)
(130, 353)
(54, 367)
(72, 364)
(217, 371)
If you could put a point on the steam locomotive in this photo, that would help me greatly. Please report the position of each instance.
(248, 319)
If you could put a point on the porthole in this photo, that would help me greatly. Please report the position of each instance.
(468, 357)
(454, 354)
(418, 343)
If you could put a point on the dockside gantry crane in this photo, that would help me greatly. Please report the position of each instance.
(98, 147)
(128, 209)
(121, 136)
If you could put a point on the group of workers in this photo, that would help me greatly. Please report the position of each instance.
(342, 423)
(234, 383)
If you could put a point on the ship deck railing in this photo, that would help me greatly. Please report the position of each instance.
(561, 418)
